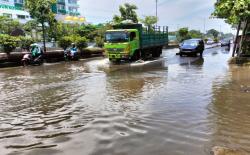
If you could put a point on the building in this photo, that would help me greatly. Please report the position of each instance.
(65, 10)
(14, 9)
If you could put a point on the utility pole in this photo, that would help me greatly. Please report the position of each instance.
(204, 27)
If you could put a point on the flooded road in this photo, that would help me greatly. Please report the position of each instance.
(175, 106)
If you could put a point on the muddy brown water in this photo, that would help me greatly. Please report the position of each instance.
(171, 106)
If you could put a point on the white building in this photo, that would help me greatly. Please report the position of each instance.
(66, 10)
(14, 9)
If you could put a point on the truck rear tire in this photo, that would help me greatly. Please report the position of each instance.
(136, 56)
(156, 52)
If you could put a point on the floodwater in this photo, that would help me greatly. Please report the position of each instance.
(171, 106)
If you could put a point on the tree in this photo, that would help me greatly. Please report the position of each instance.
(41, 10)
(183, 34)
(8, 43)
(127, 12)
(88, 31)
(7, 25)
(213, 32)
(149, 21)
(195, 34)
(101, 30)
(233, 11)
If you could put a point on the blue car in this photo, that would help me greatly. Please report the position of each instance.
(192, 46)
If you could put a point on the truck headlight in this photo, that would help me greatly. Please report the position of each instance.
(127, 49)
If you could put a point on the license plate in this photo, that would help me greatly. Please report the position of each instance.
(115, 56)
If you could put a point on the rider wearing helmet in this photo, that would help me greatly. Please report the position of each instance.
(73, 49)
(35, 51)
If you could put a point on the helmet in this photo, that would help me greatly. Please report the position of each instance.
(34, 45)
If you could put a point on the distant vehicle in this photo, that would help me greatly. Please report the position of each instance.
(210, 42)
(192, 46)
(225, 42)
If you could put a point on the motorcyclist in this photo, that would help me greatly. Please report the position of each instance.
(71, 53)
(36, 51)
(73, 50)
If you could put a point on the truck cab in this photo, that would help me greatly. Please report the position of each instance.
(121, 43)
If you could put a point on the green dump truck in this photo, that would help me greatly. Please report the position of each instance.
(133, 41)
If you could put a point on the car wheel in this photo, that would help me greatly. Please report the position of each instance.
(181, 54)
(201, 54)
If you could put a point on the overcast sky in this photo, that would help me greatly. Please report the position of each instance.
(173, 13)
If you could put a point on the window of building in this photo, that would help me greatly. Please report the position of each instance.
(72, 1)
(21, 16)
(72, 9)
(7, 15)
(19, 1)
(61, 7)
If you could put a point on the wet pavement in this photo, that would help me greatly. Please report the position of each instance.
(175, 106)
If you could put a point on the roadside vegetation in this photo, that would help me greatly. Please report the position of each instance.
(184, 33)
(236, 13)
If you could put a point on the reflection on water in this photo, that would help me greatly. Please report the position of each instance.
(169, 106)
(230, 110)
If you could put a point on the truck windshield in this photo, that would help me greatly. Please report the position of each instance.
(113, 37)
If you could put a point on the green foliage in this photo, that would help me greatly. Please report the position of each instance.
(246, 47)
(99, 41)
(65, 42)
(127, 12)
(7, 25)
(25, 42)
(195, 34)
(183, 34)
(213, 32)
(149, 21)
(206, 39)
(216, 40)
(40, 9)
(233, 10)
(172, 33)
(88, 31)
(81, 42)
(30, 25)
(8, 43)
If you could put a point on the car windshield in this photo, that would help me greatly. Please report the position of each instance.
(190, 42)
(113, 37)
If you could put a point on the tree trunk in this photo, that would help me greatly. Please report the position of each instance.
(236, 38)
(44, 38)
(242, 38)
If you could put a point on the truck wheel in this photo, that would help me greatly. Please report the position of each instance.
(154, 52)
(136, 56)
(159, 52)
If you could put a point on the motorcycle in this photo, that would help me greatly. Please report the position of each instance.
(71, 55)
(35, 57)
(29, 60)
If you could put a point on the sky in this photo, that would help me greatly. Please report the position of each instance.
(194, 14)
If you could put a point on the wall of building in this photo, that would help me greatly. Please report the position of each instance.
(63, 9)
